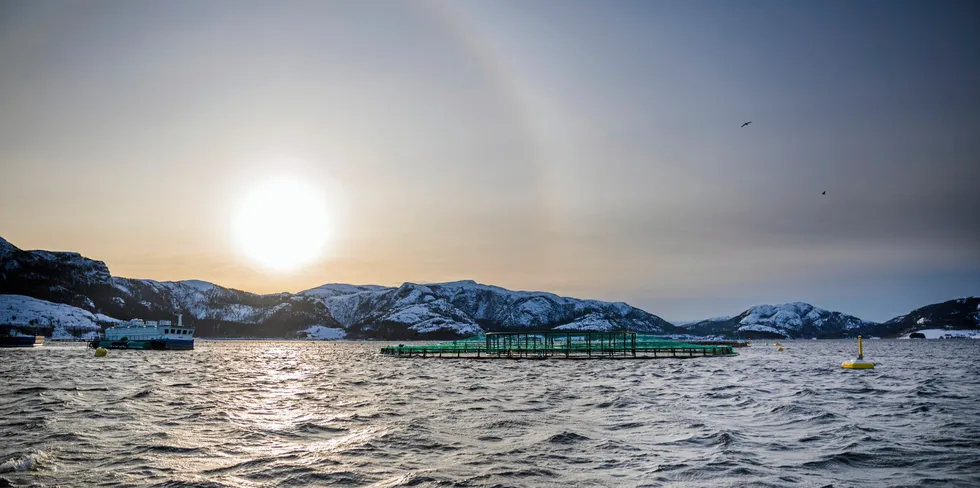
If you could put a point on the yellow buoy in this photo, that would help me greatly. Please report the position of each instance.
(780, 349)
(100, 352)
(858, 363)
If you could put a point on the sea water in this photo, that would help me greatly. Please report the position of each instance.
(258, 413)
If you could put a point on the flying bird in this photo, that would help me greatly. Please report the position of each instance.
(747, 123)
(824, 192)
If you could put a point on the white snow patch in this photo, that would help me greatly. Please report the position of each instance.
(339, 289)
(791, 317)
(948, 334)
(320, 332)
(344, 308)
(67, 321)
(592, 322)
(201, 286)
(6, 248)
(432, 325)
(535, 306)
(688, 323)
(409, 315)
(122, 286)
(921, 321)
(761, 328)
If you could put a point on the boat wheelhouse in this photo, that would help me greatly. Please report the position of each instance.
(151, 334)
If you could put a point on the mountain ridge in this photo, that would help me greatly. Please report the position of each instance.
(409, 311)
(786, 320)
(415, 310)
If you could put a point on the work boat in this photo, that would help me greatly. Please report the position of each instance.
(152, 334)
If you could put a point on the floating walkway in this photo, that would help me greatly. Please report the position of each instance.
(560, 344)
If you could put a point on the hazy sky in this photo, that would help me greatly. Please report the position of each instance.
(587, 148)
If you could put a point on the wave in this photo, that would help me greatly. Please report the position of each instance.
(857, 459)
(338, 416)
(567, 437)
(30, 461)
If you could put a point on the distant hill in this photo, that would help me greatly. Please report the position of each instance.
(959, 314)
(410, 311)
(803, 321)
(790, 320)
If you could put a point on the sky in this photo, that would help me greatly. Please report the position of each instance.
(591, 149)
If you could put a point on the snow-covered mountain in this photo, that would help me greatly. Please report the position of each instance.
(467, 307)
(26, 315)
(959, 314)
(788, 320)
(412, 310)
(217, 310)
(62, 277)
(438, 310)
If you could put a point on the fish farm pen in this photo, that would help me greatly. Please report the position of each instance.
(559, 344)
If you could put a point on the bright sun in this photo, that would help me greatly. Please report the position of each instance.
(282, 224)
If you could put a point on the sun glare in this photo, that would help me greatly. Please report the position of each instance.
(282, 224)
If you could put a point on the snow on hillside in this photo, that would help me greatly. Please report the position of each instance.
(67, 321)
(6, 248)
(464, 329)
(364, 311)
(105, 319)
(423, 312)
(797, 319)
(201, 286)
(467, 307)
(199, 299)
(690, 323)
(792, 317)
(787, 316)
(344, 308)
(58, 270)
(947, 334)
(344, 302)
(761, 328)
(340, 289)
(591, 322)
(957, 314)
(412, 314)
(532, 309)
(320, 332)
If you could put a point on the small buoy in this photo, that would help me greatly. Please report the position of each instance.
(858, 363)
(780, 349)
(100, 352)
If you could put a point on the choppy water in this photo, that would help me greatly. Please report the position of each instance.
(321, 413)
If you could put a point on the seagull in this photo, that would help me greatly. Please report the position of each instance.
(747, 123)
